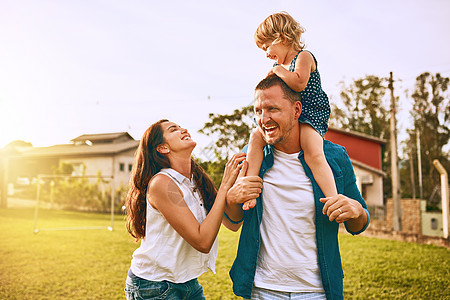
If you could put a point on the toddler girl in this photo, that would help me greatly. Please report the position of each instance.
(280, 37)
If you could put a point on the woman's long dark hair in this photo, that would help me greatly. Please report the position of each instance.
(148, 162)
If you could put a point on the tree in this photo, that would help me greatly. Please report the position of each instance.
(18, 144)
(214, 169)
(366, 110)
(431, 115)
(231, 133)
(364, 107)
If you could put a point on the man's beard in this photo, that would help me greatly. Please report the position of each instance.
(273, 142)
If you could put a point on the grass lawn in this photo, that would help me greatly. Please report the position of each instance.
(92, 264)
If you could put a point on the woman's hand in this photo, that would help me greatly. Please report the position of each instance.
(232, 168)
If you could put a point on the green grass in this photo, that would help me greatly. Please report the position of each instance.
(385, 269)
(92, 264)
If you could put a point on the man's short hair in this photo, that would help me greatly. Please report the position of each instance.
(273, 80)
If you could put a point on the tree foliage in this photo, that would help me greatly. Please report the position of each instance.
(364, 107)
(77, 193)
(18, 143)
(366, 110)
(431, 115)
(231, 133)
(214, 169)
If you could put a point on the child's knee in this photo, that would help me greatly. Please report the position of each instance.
(256, 138)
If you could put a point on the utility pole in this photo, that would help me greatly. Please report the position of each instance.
(411, 170)
(394, 162)
(419, 163)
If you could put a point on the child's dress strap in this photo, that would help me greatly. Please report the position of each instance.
(292, 66)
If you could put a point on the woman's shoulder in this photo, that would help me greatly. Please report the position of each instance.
(161, 187)
(159, 182)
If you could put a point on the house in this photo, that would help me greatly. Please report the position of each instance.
(108, 154)
(365, 153)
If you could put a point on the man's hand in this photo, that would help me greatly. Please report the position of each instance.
(342, 209)
(245, 188)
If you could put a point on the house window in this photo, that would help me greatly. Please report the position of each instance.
(78, 169)
(130, 167)
(122, 167)
(434, 223)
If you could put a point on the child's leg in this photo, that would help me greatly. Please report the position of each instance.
(254, 159)
(312, 145)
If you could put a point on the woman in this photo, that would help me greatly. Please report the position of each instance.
(173, 207)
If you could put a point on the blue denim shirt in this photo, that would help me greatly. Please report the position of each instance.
(242, 272)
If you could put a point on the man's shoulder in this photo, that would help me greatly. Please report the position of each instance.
(267, 150)
(335, 152)
(330, 146)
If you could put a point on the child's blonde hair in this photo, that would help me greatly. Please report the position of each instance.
(280, 27)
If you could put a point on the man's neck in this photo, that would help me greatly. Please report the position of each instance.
(288, 150)
(291, 144)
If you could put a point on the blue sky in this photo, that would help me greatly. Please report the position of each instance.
(74, 67)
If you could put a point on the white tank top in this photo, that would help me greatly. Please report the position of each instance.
(287, 258)
(163, 253)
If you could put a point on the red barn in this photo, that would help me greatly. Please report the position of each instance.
(365, 152)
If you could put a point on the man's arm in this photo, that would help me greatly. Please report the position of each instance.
(245, 188)
(343, 209)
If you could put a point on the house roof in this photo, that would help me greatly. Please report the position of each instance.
(80, 150)
(367, 167)
(102, 136)
(359, 134)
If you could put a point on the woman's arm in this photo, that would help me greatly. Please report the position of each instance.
(165, 196)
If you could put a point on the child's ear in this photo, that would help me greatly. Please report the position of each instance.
(162, 149)
(283, 40)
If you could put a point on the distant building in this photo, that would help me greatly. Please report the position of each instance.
(111, 154)
(365, 153)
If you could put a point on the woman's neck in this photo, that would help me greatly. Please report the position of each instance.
(182, 166)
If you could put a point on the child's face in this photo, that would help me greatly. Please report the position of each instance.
(276, 51)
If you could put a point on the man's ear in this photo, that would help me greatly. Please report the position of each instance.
(162, 149)
(298, 109)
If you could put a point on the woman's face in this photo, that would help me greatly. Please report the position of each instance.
(176, 138)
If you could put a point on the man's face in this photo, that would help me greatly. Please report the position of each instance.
(277, 118)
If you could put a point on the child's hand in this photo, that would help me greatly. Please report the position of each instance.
(278, 70)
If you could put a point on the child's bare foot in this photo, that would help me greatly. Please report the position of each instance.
(249, 204)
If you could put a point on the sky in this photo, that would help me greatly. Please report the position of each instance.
(69, 68)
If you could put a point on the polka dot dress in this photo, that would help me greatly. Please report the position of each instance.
(315, 104)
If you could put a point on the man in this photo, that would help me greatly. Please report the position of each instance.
(288, 246)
